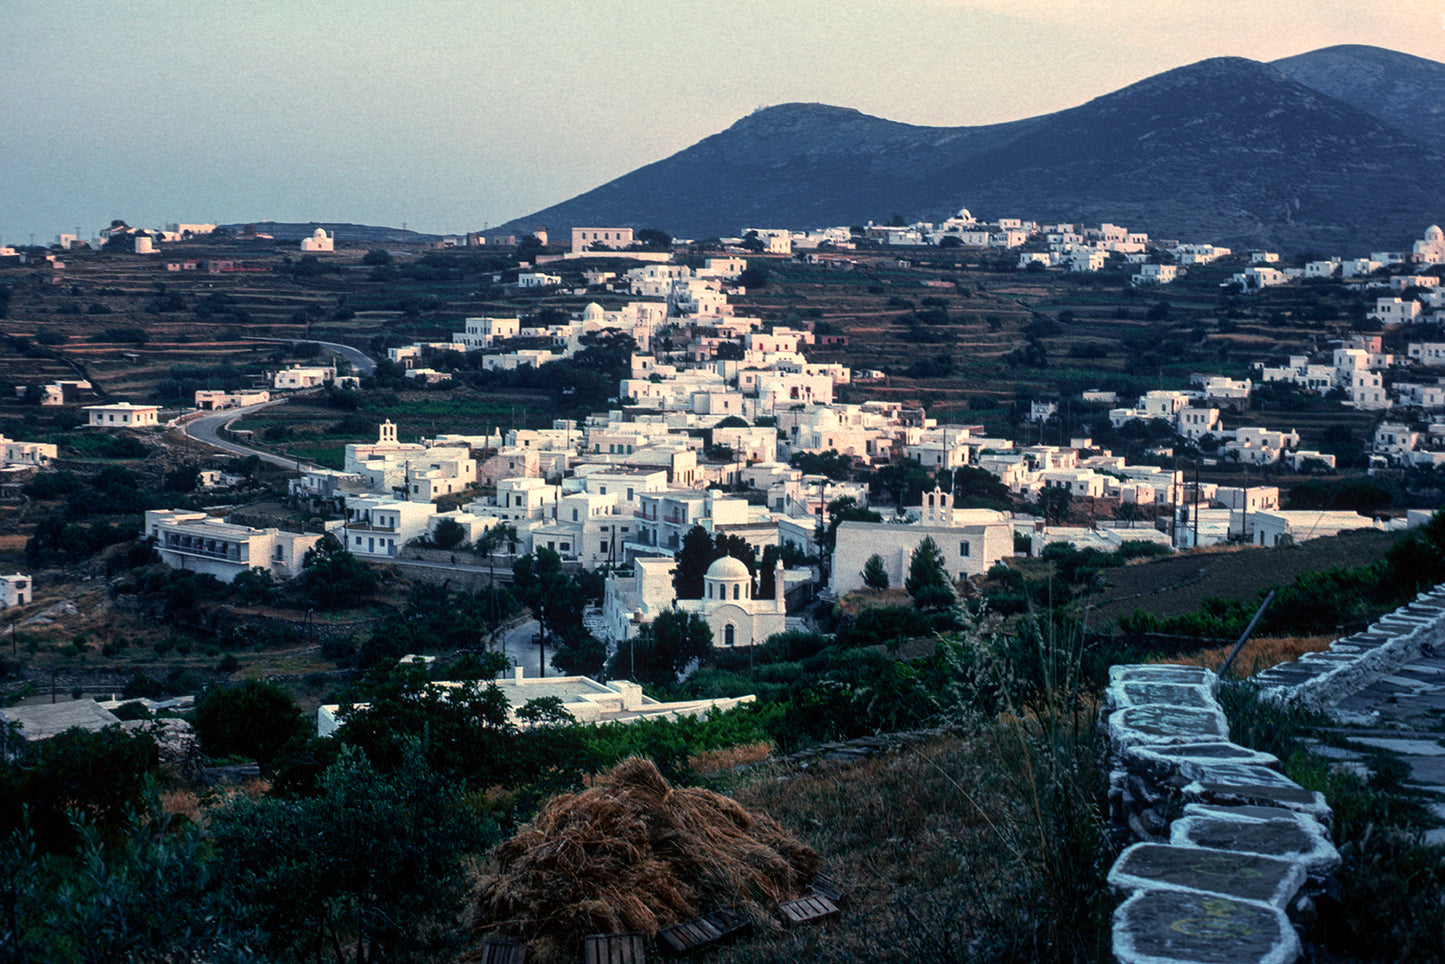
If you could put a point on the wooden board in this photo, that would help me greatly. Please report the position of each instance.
(829, 888)
(614, 949)
(692, 935)
(495, 950)
(812, 909)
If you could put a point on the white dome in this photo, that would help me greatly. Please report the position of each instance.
(728, 568)
(593, 312)
(1433, 233)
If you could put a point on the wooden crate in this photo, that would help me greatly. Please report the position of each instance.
(829, 888)
(695, 934)
(496, 950)
(813, 909)
(614, 949)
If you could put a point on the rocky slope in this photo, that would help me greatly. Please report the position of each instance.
(1404, 91)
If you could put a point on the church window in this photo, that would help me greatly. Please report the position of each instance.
(729, 635)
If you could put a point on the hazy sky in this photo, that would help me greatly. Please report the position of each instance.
(450, 115)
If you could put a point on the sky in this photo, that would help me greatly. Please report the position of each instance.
(455, 115)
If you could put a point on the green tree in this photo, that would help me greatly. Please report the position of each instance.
(332, 578)
(697, 553)
(184, 478)
(465, 731)
(975, 488)
(146, 896)
(376, 257)
(448, 534)
(374, 867)
(254, 719)
(584, 656)
(927, 574)
(555, 598)
(100, 775)
(1055, 502)
(875, 576)
(663, 649)
(653, 239)
(254, 586)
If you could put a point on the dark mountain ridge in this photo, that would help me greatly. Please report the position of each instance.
(1402, 90)
(1226, 150)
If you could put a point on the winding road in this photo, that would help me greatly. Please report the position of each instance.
(206, 428)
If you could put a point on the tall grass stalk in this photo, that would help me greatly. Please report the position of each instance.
(1049, 713)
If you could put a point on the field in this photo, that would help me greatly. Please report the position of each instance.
(1177, 585)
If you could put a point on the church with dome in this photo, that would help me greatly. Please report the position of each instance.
(736, 616)
(1431, 249)
(320, 240)
(728, 606)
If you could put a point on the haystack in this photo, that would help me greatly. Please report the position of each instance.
(635, 854)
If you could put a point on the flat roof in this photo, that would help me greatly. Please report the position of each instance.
(40, 721)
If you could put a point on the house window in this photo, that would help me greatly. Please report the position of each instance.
(729, 635)
(963, 548)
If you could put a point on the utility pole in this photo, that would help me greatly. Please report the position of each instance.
(1196, 503)
(1174, 505)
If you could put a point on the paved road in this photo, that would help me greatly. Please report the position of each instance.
(518, 645)
(362, 362)
(205, 429)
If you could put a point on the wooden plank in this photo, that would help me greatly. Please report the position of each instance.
(812, 909)
(829, 888)
(695, 934)
(614, 949)
(496, 950)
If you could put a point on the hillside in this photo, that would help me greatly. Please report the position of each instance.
(345, 232)
(1404, 91)
(1226, 150)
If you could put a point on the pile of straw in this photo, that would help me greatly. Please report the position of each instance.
(635, 854)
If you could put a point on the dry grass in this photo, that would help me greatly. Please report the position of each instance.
(181, 803)
(634, 854)
(716, 761)
(941, 848)
(1258, 654)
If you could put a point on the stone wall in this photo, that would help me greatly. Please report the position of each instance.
(1228, 844)
(1228, 850)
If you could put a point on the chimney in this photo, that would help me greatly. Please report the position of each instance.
(779, 589)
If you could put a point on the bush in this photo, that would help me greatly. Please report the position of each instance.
(254, 719)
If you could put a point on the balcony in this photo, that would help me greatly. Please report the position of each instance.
(207, 549)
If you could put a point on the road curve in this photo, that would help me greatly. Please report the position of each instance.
(360, 360)
(206, 428)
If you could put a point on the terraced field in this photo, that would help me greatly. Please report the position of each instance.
(1178, 584)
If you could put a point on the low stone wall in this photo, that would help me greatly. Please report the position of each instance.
(1317, 681)
(1228, 848)
(1250, 844)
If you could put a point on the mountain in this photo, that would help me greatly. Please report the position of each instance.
(1226, 150)
(1402, 90)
